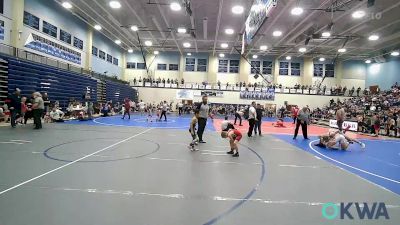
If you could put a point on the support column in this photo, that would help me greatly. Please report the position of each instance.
(244, 71)
(88, 50)
(308, 71)
(123, 65)
(212, 69)
(181, 67)
(17, 7)
(275, 72)
(339, 72)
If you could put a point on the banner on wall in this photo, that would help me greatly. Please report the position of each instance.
(209, 93)
(353, 125)
(183, 94)
(269, 94)
(1, 30)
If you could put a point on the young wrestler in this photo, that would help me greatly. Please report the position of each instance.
(234, 137)
(226, 124)
(192, 130)
(279, 123)
(337, 140)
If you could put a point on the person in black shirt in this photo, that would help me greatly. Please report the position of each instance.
(257, 125)
(14, 105)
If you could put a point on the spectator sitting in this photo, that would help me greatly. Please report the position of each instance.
(57, 115)
(105, 110)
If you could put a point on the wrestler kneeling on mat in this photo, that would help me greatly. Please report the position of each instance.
(234, 137)
(192, 130)
(337, 140)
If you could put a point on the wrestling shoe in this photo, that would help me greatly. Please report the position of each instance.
(230, 152)
(236, 154)
(362, 145)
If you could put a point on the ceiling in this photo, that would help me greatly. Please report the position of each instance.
(158, 23)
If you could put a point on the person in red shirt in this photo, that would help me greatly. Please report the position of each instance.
(295, 113)
(234, 137)
(127, 106)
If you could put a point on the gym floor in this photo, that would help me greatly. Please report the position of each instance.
(113, 171)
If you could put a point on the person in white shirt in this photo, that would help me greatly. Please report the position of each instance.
(141, 107)
(164, 108)
(180, 108)
(252, 118)
(226, 125)
(57, 115)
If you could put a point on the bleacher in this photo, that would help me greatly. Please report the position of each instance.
(117, 92)
(61, 85)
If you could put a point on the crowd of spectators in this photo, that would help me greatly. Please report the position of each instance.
(370, 111)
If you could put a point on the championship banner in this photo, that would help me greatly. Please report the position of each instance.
(353, 125)
(258, 95)
(183, 94)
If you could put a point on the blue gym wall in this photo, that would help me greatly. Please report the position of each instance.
(383, 74)
(354, 69)
(109, 47)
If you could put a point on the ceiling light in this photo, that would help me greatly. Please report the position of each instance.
(237, 9)
(118, 42)
(67, 5)
(302, 49)
(156, 52)
(175, 6)
(263, 47)
(222, 55)
(148, 43)
(288, 57)
(394, 53)
(367, 61)
(326, 34)
(224, 45)
(182, 30)
(277, 33)
(229, 31)
(373, 37)
(130, 50)
(189, 53)
(97, 27)
(186, 44)
(255, 56)
(322, 59)
(297, 11)
(134, 28)
(358, 14)
(115, 4)
(341, 50)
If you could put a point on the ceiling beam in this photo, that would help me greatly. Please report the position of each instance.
(221, 2)
(168, 25)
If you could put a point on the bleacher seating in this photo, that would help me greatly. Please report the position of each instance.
(117, 92)
(61, 85)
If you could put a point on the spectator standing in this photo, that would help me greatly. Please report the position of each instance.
(164, 109)
(127, 107)
(14, 105)
(295, 112)
(180, 108)
(252, 118)
(38, 108)
(302, 120)
(238, 115)
(257, 126)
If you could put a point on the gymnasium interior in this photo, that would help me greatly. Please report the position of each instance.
(199, 112)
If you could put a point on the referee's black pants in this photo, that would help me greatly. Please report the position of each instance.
(202, 122)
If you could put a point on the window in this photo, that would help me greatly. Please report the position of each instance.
(190, 62)
(283, 68)
(295, 69)
(255, 66)
(234, 66)
(94, 51)
(174, 67)
(78, 43)
(102, 55)
(161, 66)
(49, 29)
(318, 70)
(267, 67)
(115, 61)
(329, 70)
(109, 58)
(141, 66)
(31, 20)
(223, 66)
(201, 65)
(65, 36)
(130, 65)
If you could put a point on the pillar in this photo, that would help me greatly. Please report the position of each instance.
(212, 69)
(88, 50)
(308, 71)
(17, 7)
(244, 70)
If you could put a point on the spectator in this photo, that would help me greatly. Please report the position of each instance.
(14, 105)
(295, 112)
(38, 108)
(57, 115)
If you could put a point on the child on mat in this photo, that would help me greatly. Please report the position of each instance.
(279, 123)
(234, 136)
(192, 130)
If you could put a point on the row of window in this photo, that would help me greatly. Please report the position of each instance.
(324, 69)
(160, 66)
(231, 66)
(191, 65)
(102, 55)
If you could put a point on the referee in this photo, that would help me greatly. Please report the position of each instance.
(204, 109)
